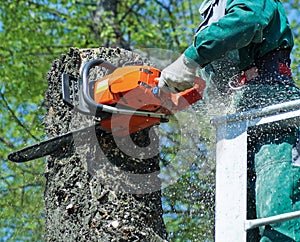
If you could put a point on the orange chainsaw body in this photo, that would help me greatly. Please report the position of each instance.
(129, 86)
(135, 87)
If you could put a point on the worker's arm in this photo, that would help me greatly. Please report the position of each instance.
(243, 23)
(253, 27)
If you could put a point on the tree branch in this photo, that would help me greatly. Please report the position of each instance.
(18, 121)
(171, 22)
(7, 143)
(130, 10)
(50, 10)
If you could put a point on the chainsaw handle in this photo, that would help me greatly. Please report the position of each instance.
(94, 108)
(181, 100)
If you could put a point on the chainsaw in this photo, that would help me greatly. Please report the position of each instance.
(124, 101)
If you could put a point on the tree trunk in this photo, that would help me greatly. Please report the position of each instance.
(105, 188)
(104, 18)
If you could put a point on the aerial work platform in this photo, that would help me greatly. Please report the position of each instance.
(232, 135)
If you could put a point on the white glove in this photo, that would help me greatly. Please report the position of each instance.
(178, 76)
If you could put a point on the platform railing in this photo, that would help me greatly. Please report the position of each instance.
(232, 133)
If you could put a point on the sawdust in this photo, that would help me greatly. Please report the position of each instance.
(92, 193)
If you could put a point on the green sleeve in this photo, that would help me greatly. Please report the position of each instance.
(243, 23)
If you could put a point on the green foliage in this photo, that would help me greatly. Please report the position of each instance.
(34, 33)
(188, 162)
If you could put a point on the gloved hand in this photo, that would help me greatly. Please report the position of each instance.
(178, 76)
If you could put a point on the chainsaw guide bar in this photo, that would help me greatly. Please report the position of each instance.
(51, 146)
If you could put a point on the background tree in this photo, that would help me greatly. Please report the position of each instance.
(33, 34)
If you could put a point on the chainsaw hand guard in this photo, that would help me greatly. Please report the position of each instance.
(83, 101)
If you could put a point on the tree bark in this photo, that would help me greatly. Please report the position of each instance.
(104, 188)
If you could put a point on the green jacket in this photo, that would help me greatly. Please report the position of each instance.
(252, 27)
